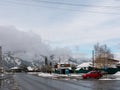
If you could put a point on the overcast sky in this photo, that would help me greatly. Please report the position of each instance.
(75, 24)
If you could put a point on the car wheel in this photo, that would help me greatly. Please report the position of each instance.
(98, 77)
(88, 77)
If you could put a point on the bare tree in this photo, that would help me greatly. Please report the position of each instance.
(102, 55)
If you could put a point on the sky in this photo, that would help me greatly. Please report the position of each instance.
(26, 45)
(74, 24)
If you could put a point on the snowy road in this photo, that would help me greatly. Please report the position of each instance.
(31, 82)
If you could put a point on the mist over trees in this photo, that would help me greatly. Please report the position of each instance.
(27, 45)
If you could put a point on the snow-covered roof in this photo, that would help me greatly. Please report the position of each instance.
(14, 68)
(30, 68)
(86, 64)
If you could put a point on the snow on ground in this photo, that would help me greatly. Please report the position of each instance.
(33, 73)
(75, 76)
(45, 74)
(109, 79)
(59, 75)
(115, 76)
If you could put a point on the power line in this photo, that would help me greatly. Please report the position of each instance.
(71, 4)
(63, 3)
(16, 2)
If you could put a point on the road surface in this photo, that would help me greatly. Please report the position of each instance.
(7, 82)
(31, 82)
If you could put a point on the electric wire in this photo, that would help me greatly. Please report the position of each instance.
(16, 2)
(70, 4)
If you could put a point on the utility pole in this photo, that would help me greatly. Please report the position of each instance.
(1, 61)
(93, 61)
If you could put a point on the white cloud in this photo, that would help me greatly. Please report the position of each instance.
(25, 44)
(83, 28)
(62, 28)
(117, 56)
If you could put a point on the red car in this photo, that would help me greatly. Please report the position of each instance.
(92, 74)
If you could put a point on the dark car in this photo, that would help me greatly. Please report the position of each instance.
(92, 74)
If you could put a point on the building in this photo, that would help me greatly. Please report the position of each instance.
(102, 63)
(84, 67)
(16, 69)
(62, 68)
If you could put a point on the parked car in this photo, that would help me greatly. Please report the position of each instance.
(92, 74)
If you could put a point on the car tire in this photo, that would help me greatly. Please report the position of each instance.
(88, 77)
(98, 77)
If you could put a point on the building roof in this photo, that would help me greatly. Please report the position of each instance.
(86, 64)
(113, 60)
(15, 68)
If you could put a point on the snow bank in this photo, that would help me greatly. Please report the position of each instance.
(33, 73)
(109, 79)
(118, 73)
(45, 74)
(75, 75)
(115, 76)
